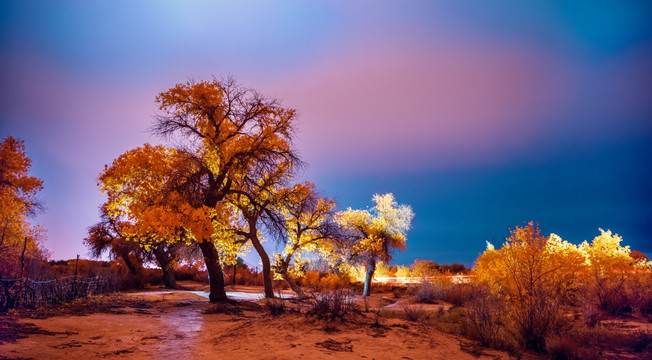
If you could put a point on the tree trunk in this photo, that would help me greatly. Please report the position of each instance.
(215, 275)
(164, 260)
(22, 258)
(267, 268)
(296, 288)
(133, 266)
(371, 268)
(235, 267)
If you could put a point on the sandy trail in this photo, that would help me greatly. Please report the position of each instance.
(173, 325)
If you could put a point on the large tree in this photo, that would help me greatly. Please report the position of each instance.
(230, 140)
(148, 192)
(374, 234)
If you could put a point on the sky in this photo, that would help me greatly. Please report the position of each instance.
(480, 115)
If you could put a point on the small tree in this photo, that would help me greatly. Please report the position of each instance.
(105, 236)
(374, 234)
(307, 228)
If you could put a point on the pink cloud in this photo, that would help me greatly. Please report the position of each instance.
(399, 101)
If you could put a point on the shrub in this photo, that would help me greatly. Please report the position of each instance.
(534, 275)
(332, 305)
(413, 312)
(483, 311)
(275, 306)
(427, 292)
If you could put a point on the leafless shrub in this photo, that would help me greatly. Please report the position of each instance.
(332, 305)
(428, 292)
(591, 342)
(275, 306)
(483, 311)
(413, 312)
(590, 314)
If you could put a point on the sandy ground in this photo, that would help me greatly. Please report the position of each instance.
(183, 325)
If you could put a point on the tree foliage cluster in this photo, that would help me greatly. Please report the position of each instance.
(538, 279)
(21, 247)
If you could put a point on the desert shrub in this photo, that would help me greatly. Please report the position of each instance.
(275, 306)
(310, 279)
(534, 276)
(428, 292)
(484, 311)
(398, 291)
(591, 343)
(186, 271)
(590, 314)
(334, 305)
(332, 282)
(617, 283)
(413, 312)
(455, 293)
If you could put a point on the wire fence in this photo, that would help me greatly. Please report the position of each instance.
(28, 293)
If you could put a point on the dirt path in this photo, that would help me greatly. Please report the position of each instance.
(176, 326)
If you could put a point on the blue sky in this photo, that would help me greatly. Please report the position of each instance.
(482, 116)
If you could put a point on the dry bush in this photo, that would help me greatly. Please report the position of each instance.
(428, 292)
(456, 294)
(332, 282)
(590, 314)
(334, 305)
(484, 313)
(275, 306)
(398, 291)
(310, 279)
(593, 343)
(413, 312)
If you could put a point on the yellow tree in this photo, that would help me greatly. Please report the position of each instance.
(147, 187)
(374, 234)
(235, 137)
(534, 275)
(19, 240)
(610, 267)
(256, 200)
(307, 227)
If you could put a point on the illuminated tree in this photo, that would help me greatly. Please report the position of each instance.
(534, 276)
(307, 228)
(611, 269)
(425, 268)
(375, 233)
(233, 137)
(146, 189)
(19, 240)
(256, 202)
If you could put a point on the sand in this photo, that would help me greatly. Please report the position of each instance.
(175, 325)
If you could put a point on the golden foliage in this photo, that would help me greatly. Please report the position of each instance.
(377, 231)
(18, 238)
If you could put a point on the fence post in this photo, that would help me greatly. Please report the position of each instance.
(76, 265)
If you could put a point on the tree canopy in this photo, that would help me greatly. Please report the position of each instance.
(374, 234)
